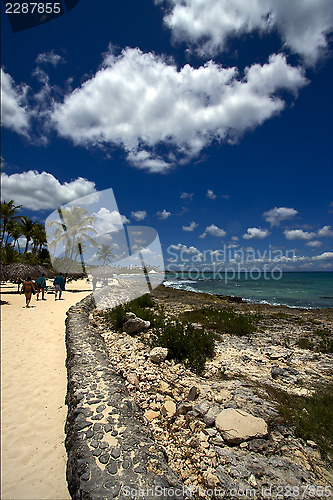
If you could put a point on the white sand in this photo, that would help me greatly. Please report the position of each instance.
(34, 384)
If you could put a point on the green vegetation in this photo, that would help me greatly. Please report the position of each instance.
(311, 416)
(13, 227)
(321, 341)
(185, 343)
(223, 321)
(141, 307)
(282, 315)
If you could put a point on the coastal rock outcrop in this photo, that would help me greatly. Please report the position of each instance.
(238, 377)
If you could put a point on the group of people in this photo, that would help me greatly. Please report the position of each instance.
(30, 287)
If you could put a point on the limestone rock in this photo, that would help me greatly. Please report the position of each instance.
(133, 324)
(211, 415)
(210, 479)
(168, 409)
(238, 425)
(151, 414)
(158, 354)
(202, 407)
(133, 379)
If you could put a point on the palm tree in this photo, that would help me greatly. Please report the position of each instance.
(72, 231)
(8, 211)
(39, 236)
(9, 228)
(27, 229)
(104, 253)
(15, 234)
(54, 237)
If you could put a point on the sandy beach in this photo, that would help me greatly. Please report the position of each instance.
(34, 382)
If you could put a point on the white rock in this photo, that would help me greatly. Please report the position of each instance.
(158, 354)
(238, 425)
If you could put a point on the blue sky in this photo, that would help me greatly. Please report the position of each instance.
(211, 123)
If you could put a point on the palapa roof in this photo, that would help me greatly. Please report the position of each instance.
(3, 273)
(20, 271)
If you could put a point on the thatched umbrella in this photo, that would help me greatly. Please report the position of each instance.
(3, 273)
(19, 271)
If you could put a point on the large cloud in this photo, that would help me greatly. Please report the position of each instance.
(278, 214)
(41, 191)
(209, 24)
(14, 114)
(298, 234)
(140, 101)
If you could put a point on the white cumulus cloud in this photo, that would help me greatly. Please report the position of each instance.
(139, 101)
(14, 114)
(314, 244)
(213, 230)
(303, 25)
(255, 233)
(278, 214)
(139, 214)
(107, 221)
(191, 227)
(41, 191)
(325, 231)
(324, 256)
(164, 214)
(298, 234)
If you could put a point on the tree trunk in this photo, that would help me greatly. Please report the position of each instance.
(26, 246)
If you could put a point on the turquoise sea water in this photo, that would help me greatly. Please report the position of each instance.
(302, 289)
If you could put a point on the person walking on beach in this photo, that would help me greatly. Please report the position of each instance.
(59, 284)
(94, 283)
(28, 288)
(41, 286)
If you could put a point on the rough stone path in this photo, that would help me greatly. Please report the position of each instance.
(111, 448)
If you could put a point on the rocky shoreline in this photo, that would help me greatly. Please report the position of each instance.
(188, 413)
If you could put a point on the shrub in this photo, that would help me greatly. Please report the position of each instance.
(116, 316)
(325, 344)
(321, 341)
(305, 343)
(185, 343)
(223, 321)
(311, 416)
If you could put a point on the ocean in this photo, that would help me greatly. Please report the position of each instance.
(310, 290)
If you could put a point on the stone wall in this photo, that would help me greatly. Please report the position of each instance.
(111, 449)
